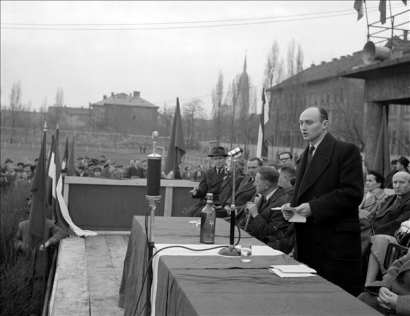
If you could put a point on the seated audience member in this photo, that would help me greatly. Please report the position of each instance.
(211, 182)
(285, 157)
(287, 174)
(246, 189)
(375, 194)
(80, 170)
(392, 294)
(402, 164)
(97, 172)
(379, 248)
(261, 221)
(395, 209)
(225, 192)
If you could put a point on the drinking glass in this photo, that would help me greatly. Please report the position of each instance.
(246, 253)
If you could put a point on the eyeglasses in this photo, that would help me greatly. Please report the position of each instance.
(284, 159)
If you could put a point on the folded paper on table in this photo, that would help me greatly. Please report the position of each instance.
(294, 268)
(289, 274)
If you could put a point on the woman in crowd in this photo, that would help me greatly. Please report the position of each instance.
(375, 194)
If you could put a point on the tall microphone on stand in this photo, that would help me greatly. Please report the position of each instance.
(153, 196)
(231, 250)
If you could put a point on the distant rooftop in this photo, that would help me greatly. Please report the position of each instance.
(126, 100)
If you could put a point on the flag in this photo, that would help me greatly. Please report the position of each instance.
(382, 157)
(262, 147)
(70, 164)
(358, 6)
(382, 9)
(54, 184)
(405, 2)
(176, 147)
(64, 162)
(37, 219)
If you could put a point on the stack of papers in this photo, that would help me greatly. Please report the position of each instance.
(292, 271)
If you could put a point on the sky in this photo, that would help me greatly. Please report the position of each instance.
(164, 49)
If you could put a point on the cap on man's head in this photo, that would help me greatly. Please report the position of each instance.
(404, 161)
(218, 151)
(97, 169)
(80, 158)
(9, 160)
(20, 164)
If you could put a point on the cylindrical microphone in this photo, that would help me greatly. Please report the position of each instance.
(236, 152)
(154, 170)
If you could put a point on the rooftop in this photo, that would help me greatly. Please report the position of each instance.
(125, 100)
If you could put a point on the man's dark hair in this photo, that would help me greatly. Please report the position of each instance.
(269, 174)
(289, 169)
(322, 112)
(404, 161)
(378, 176)
(286, 152)
(260, 163)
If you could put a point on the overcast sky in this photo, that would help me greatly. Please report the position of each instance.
(150, 46)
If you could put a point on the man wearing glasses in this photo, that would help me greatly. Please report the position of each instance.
(285, 157)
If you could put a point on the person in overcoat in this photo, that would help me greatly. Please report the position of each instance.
(328, 191)
(391, 296)
(210, 183)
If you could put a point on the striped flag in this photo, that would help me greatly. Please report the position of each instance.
(64, 162)
(262, 147)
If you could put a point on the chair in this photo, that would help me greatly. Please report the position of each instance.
(394, 252)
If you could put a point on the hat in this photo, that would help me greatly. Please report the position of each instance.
(404, 161)
(218, 151)
(20, 163)
(97, 169)
(80, 158)
(8, 160)
(81, 165)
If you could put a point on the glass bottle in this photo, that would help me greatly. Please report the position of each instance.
(208, 221)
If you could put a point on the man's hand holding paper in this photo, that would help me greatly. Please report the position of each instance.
(296, 214)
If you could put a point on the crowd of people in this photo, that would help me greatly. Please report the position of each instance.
(347, 214)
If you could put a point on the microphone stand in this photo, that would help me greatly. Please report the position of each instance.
(231, 251)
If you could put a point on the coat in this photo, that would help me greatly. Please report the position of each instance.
(397, 280)
(269, 222)
(389, 218)
(245, 193)
(374, 202)
(332, 184)
(225, 192)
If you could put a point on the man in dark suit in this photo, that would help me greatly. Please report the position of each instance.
(261, 220)
(246, 189)
(328, 191)
(211, 182)
(396, 208)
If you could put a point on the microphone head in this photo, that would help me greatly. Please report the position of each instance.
(236, 152)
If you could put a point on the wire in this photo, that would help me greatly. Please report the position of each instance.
(326, 15)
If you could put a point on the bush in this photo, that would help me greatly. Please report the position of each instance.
(14, 288)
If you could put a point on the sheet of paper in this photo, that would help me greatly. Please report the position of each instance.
(293, 268)
(296, 218)
(290, 275)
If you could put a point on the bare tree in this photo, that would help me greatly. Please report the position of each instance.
(274, 66)
(57, 110)
(291, 59)
(299, 59)
(218, 106)
(190, 113)
(231, 106)
(15, 107)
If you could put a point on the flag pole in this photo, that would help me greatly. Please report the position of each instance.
(44, 217)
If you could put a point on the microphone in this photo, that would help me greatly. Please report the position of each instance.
(236, 152)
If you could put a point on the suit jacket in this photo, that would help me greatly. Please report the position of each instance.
(225, 192)
(397, 280)
(332, 184)
(373, 203)
(211, 183)
(269, 222)
(244, 193)
(198, 175)
(389, 218)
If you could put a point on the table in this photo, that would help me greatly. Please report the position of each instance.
(215, 285)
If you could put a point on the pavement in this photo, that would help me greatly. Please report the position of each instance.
(88, 276)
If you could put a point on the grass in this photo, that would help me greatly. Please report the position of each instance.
(14, 289)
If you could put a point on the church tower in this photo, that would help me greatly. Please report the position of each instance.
(242, 101)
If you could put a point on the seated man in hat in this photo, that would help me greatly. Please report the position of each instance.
(211, 182)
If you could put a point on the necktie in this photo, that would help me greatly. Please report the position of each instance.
(310, 154)
(262, 201)
(250, 180)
